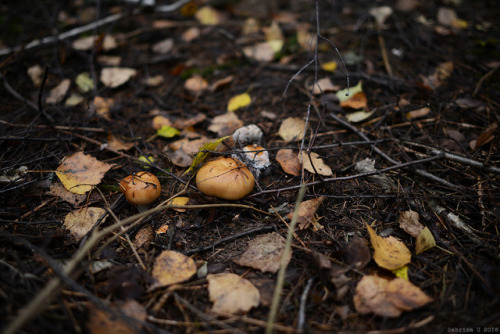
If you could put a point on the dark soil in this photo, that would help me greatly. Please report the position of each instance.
(462, 274)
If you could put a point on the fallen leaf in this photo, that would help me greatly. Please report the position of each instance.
(57, 189)
(401, 272)
(172, 267)
(306, 38)
(263, 52)
(239, 101)
(274, 36)
(307, 210)
(144, 236)
(425, 241)
(113, 77)
(292, 128)
(103, 322)
(380, 14)
(264, 253)
(441, 73)
(409, 222)
(81, 221)
(347, 93)
(183, 123)
(330, 66)
(319, 165)
(57, 93)
(79, 172)
(154, 81)
(422, 112)
(356, 101)
(356, 253)
(289, 161)
(196, 84)
(485, 137)
(118, 144)
(225, 124)
(103, 106)
(74, 99)
(163, 47)
(231, 293)
(448, 17)
(167, 131)
(190, 34)
(389, 253)
(89, 42)
(204, 152)
(406, 296)
(324, 85)
(159, 121)
(208, 16)
(358, 116)
(221, 83)
(179, 201)
(35, 73)
(370, 297)
(250, 26)
(84, 82)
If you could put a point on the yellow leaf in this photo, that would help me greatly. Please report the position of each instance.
(147, 160)
(167, 131)
(342, 94)
(79, 172)
(203, 154)
(208, 16)
(389, 253)
(425, 241)
(401, 272)
(239, 101)
(172, 267)
(330, 66)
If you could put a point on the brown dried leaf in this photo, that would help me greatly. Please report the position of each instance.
(117, 144)
(144, 236)
(183, 123)
(405, 296)
(370, 297)
(196, 84)
(357, 253)
(231, 293)
(79, 172)
(307, 210)
(356, 101)
(289, 161)
(102, 322)
(81, 221)
(102, 106)
(225, 124)
(116, 76)
(422, 112)
(409, 222)
(160, 121)
(319, 165)
(292, 128)
(171, 268)
(57, 189)
(264, 253)
(485, 137)
(57, 93)
(389, 253)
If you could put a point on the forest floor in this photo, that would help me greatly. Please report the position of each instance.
(424, 121)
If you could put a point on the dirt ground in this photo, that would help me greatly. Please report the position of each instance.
(430, 75)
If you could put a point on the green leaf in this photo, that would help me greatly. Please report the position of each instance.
(203, 154)
(167, 131)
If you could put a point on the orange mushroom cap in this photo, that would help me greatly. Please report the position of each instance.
(141, 188)
(225, 178)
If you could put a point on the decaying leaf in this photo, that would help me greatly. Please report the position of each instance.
(231, 293)
(370, 297)
(79, 172)
(324, 85)
(163, 47)
(425, 241)
(263, 52)
(307, 210)
(438, 78)
(103, 322)
(238, 101)
(225, 124)
(57, 93)
(264, 253)
(113, 77)
(330, 272)
(144, 236)
(81, 221)
(103, 106)
(422, 112)
(172, 267)
(118, 144)
(357, 253)
(292, 128)
(289, 161)
(219, 84)
(319, 165)
(406, 296)
(356, 101)
(409, 222)
(485, 137)
(57, 189)
(196, 84)
(389, 253)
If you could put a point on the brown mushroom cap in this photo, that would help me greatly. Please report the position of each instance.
(225, 178)
(141, 188)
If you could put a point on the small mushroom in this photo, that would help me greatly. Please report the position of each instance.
(225, 178)
(141, 189)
